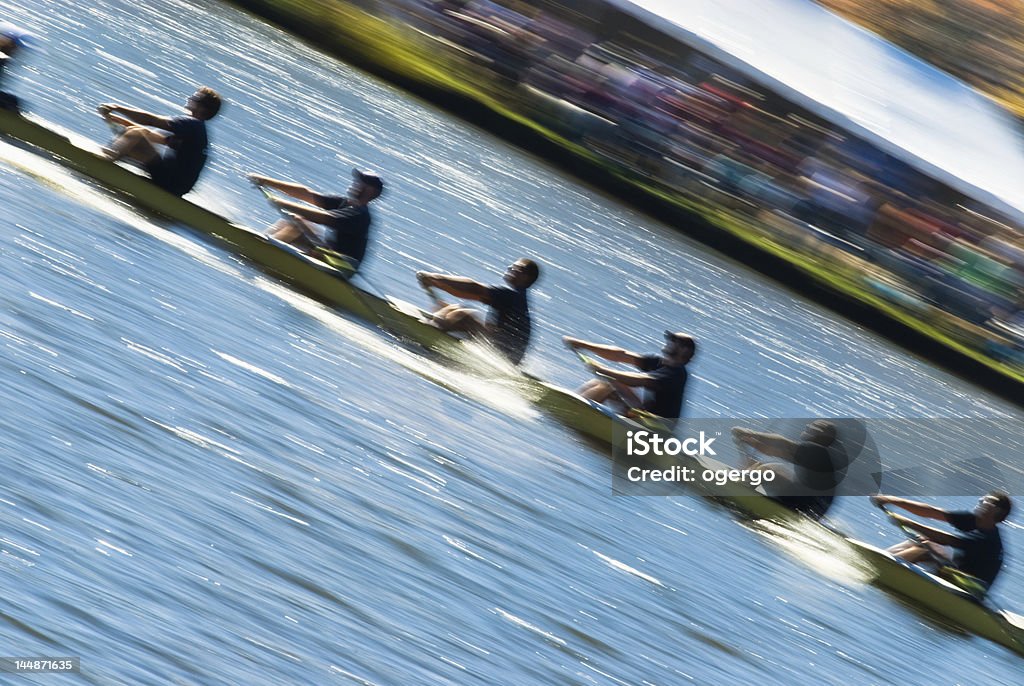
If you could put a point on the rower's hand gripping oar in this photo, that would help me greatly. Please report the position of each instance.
(104, 111)
(897, 520)
(430, 291)
(116, 129)
(745, 450)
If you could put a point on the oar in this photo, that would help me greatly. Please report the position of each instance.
(432, 294)
(646, 418)
(895, 519)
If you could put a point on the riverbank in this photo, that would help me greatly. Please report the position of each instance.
(452, 77)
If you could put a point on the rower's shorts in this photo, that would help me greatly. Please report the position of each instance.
(163, 171)
(944, 551)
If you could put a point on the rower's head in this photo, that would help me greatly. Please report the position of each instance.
(366, 186)
(13, 38)
(204, 103)
(522, 273)
(819, 432)
(995, 505)
(679, 348)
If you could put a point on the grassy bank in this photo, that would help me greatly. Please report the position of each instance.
(442, 74)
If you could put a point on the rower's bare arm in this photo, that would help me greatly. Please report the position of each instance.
(609, 352)
(459, 286)
(295, 190)
(119, 120)
(313, 214)
(133, 115)
(777, 446)
(765, 443)
(626, 378)
(932, 534)
(913, 507)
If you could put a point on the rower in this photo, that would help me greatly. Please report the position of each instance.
(508, 322)
(346, 218)
(171, 149)
(663, 376)
(12, 40)
(807, 480)
(977, 551)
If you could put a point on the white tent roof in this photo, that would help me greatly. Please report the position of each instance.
(862, 83)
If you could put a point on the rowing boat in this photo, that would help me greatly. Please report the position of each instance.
(409, 322)
(942, 597)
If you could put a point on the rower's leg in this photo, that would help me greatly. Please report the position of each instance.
(629, 396)
(910, 551)
(284, 230)
(443, 312)
(596, 390)
(621, 398)
(293, 232)
(603, 392)
(134, 144)
(458, 318)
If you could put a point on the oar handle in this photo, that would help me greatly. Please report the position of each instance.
(590, 362)
(263, 189)
(891, 516)
(896, 520)
(432, 293)
(429, 290)
(272, 199)
(585, 359)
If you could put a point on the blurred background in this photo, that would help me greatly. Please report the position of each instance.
(863, 165)
(213, 479)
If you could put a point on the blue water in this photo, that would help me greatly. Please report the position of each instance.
(214, 480)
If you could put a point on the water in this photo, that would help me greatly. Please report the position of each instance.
(214, 480)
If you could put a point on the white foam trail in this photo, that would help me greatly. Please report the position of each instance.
(825, 552)
(494, 393)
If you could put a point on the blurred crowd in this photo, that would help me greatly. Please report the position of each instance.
(701, 130)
